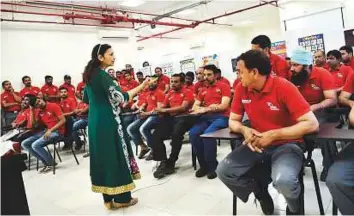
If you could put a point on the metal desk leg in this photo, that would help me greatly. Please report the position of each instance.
(234, 204)
(334, 209)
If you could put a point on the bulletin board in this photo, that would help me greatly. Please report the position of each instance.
(187, 65)
(211, 59)
(279, 48)
(167, 69)
(312, 43)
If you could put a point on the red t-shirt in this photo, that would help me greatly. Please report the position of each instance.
(176, 98)
(325, 66)
(236, 82)
(142, 97)
(340, 75)
(224, 80)
(189, 87)
(8, 97)
(162, 82)
(71, 90)
(278, 105)
(212, 94)
(80, 87)
(351, 63)
(49, 116)
(349, 84)
(68, 105)
(50, 90)
(131, 84)
(80, 106)
(25, 116)
(279, 65)
(31, 90)
(198, 87)
(320, 80)
(152, 98)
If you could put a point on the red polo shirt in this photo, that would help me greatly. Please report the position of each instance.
(198, 87)
(212, 94)
(80, 87)
(280, 67)
(50, 90)
(278, 105)
(224, 80)
(176, 98)
(152, 98)
(320, 80)
(142, 97)
(49, 116)
(189, 87)
(71, 90)
(325, 66)
(68, 105)
(351, 63)
(349, 84)
(131, 84)
(161, 83)
(8, 97)
(80, 106)
(25, 115)
(340, 75)
(31, 90)
(236, 82)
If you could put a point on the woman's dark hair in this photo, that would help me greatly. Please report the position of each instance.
(94, 63)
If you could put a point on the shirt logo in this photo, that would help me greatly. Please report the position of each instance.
(315, 87)
(246, 101)
(272, 107)
(340, 75)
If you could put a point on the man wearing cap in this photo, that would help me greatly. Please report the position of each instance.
(316, 86)
(67, 84)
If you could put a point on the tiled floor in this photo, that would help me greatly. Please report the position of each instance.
(68, 192)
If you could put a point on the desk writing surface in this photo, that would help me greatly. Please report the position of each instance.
(328, 131)
(222, 134)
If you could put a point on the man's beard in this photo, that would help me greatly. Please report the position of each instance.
(152, 88)
(300, 78)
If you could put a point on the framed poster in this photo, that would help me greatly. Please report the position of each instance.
(279, 48)
(187, 65)
(233, 64)
(167, 69)
(312, 43)
(211, 59)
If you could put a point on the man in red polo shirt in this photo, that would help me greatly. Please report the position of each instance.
(52, 117)
(346, 96)
(67, 104)
(10, 102)
(81, 121)
(178, 101)
(67, 84)
(200, 84)
(279, 65)
(339, 72)
(320, 59)
(145, 123)
(140, 76)
(163, 82)
(213, 106)
(347, 56)
(271, 147)
(222, 79)
(50, 92)
(130, 82)
(79, 89)
(29, 89)
(189, 79)
(237, 80)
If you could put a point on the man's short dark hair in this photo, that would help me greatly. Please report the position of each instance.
(212, 68)
(32, 99)
(255, 59)
(25, 77)
(190, 74)
(48, 77)
(348, 49)
(139, 73)
(181, 77)
(158, 68)
(288, 58)
(63, 87)
(126, 72)
(67, 77)
(262, 41)
(335, 53)
(4, 82)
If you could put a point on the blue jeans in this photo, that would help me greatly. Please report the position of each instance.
(205, 149)
(142, 127)
(35, 146)
(78, 124)
(244, 171)
(340, 180)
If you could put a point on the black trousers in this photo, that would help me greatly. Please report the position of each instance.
(174, 127)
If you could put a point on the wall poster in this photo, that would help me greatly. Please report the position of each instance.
(211, 59)
(146, 71)
(312, 43)
(187, 65)
(233, 64)
(279, 48)
(167, 69)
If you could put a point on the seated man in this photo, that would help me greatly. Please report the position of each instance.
(340, 179)
(278, 124)
(213, 102)
(145, 123)
(178, 101)
(339, 72)
(52, 117)
(189, 81)
(81, 121)
(346, 96)
(67, 105)
(200, 84)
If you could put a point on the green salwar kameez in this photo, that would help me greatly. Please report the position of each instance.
(112, 164)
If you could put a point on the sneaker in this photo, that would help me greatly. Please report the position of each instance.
(143, 152)
(323, 176)
(212, 175)
(200, 173)
(149, 157)
(288, 212)
(266, 202)
(170, 167)
(160, 171)
(86, 155)
(45, 169)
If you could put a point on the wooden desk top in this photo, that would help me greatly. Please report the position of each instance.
(224, 134)
(328, 131)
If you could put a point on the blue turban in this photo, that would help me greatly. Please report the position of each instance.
(301, 56)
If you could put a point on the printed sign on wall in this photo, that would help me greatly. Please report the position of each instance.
(212, 59)
(146, 71)
(187, 65)
(279, 48)
(167, 69)
(312, 43)
(233, 63)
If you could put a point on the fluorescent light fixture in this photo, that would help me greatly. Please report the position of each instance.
(186, 12)
(132, 3)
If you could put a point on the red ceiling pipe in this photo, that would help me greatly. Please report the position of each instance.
(210, 19)
(63, 23)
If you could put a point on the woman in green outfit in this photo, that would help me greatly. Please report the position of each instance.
(112, 164)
